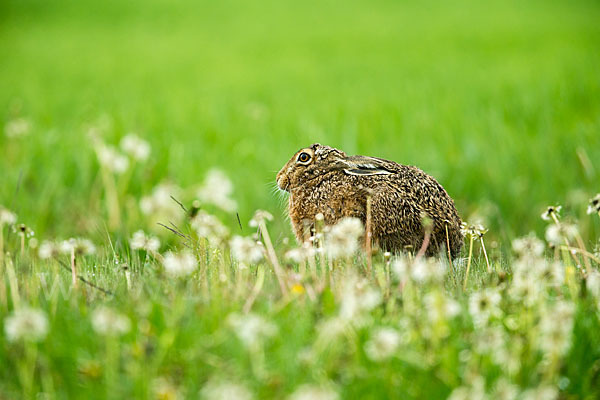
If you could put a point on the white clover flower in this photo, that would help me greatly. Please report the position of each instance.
(140, 241)
(136, 147)
(557, 234)
(80, 246)
(159, 204)
(27, 324)
(216, 190)
(17, 128)
(246, 250)
(260, 216)
(225, 390)
(48, 250)
(383, 344)
(314, 392)
(342, 239)
(251, 329)
(483, 305)
(111, 159)
(109, 322)
(528, 246)
(180, 264)
(594, 205)
(209, 227)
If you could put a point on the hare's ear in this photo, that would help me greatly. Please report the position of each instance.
(360, 165)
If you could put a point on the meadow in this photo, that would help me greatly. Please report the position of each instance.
(139, 139)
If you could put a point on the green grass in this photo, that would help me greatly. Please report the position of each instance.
(500, 101)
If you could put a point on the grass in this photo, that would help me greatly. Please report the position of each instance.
(499, 101)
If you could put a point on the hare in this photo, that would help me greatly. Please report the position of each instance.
(322, 179)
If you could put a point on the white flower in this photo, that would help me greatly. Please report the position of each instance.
(180, 264)
(476, 391)
(246, 250)
(593, 283)
(314, 392)
(400, 268)
(383, 344)
(342, 239)
(543, 392)
(7, 217)
(594, 205)
(555, 328)
(483, 305)
(557, 234)
(28, 324)
(528, 246)
(140, 241)
(111, 159)
(48, 249)
(225, 390)
(251, 329)
(300, 254)
(17, 128)
(424, 270)
(159, 205)
(209, 227)
(79, 246)
(525, 288)
(357, 297)
(440, 307)
(109, 322)
(260, 216)
(551, 213)
(136, 147)
(216, 190)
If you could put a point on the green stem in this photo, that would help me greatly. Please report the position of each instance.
(468, 263)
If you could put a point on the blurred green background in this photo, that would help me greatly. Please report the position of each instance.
(500, 101)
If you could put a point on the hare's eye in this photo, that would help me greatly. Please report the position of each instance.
(304, 157)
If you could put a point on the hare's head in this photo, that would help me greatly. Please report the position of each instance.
(308, 164)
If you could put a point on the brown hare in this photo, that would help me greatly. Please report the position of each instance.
(322, 179)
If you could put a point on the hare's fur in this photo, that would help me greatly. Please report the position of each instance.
(337, 186)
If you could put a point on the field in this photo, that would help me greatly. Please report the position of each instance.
(500, 101)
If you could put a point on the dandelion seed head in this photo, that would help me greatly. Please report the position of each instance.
(111, 159)
(79, 246)
(300, 254)
(594, 205)
(17, 128)
(109, 322)
(180, 264)
(542, 392)
(136, 147)
(528, 246)
(159, 204)
(209, 227)
(48, 250)
(246, 250)
(383, 344)
(484, 305)
(427, 270)
(475, 231)
(260, 216)
(342, 239)
(314, 392)
(7, 217)
(557, 234)
(216, 190)
(225, 390)
(27, 324)
(140, 241)
(251, 329)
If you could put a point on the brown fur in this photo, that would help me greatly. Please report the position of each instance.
(337, 186)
